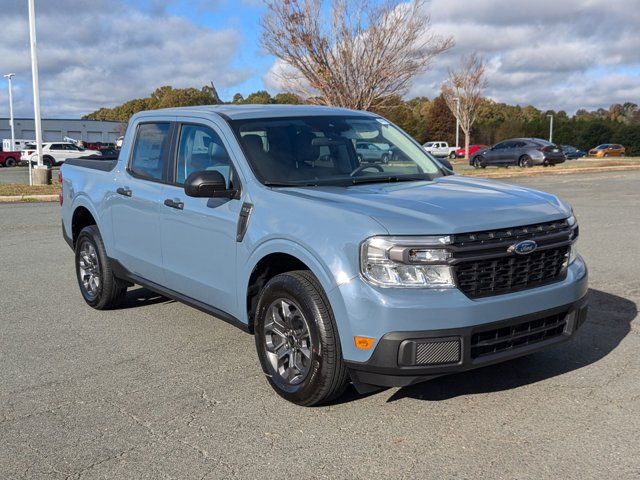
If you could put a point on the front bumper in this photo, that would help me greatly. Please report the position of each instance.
(393, 363)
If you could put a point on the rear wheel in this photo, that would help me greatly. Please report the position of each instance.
(99, 287)
(452, 155)
(385, 158)
(10, 162)
(297, 340)
(525, 161)
(48, 161)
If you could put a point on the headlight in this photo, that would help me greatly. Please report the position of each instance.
(573, 252)
(415, 262)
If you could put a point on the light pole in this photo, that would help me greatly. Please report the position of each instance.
(458, 123)
(550, 129)
(9, 76)
(41, 173)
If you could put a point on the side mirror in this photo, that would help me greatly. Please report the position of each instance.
(207, 184)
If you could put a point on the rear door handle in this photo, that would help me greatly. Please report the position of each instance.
(174, 204)
(124, 191)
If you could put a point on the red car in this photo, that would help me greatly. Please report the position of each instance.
(472, 149)
(9, 159)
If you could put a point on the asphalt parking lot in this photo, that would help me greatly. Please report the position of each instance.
(160, 390)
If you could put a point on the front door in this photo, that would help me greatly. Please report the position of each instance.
(199, 234)
(136, 203)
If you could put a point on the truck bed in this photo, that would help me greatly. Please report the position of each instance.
(105, 164)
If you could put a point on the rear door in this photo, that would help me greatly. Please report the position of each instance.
(137, 201)
(199, 234)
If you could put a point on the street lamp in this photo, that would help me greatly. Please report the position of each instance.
(9, 76)
(550, 128)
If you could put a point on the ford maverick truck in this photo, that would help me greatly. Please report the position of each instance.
(344, 269)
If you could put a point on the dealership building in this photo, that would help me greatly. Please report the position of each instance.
(54, 130)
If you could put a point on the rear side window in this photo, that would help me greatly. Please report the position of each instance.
(200, 148)
(149, 150)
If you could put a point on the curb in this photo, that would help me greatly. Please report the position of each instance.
(27, 198)
(552, 171)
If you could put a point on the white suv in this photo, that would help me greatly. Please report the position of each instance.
(55, 153)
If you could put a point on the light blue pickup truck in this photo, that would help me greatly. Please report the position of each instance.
(344, 271)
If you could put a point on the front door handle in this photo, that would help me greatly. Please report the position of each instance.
(126, 191)
(174, 204)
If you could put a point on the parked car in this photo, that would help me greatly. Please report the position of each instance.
(371, 152)
(9, 159)
(572, 153)
(55, 153)
(18, 144)
(440, 149)
(607, 150)
(375, 274)
(460, 153)
(523, 152)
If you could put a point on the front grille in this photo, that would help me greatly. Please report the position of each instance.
(484, 266)
(512, 273)
(516, 336)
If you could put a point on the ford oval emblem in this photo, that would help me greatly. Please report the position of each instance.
(523, 248)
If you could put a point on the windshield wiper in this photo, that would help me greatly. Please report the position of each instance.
(281, 184)
(391, 179)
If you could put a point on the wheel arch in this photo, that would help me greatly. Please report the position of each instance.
(272, 259)
(83, 215)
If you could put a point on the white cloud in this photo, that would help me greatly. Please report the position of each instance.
(101, 53)
(566, 54)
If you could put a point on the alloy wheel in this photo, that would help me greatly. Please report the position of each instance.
(89, 268)
(288, 341)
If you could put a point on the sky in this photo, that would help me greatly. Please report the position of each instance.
(553, 54)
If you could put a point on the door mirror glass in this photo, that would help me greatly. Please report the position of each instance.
(207, 184)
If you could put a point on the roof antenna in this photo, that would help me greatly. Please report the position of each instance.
(214, 94)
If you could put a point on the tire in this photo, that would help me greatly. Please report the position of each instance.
(360, 158)
(606, 154)
(525, 161)
(477, 163)
(10, 162)
(92, 263)
(385, 158)
(452, 155)
(48, 161)
(303, 323)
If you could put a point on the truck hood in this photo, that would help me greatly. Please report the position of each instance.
(446, 205)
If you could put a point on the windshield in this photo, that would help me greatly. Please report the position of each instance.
(331, 150)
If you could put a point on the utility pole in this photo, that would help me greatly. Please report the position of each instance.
(9, 76)
(458, 123)
(42, 173)
(550, 128)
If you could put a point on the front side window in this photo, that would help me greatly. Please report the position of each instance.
(201, 148)
(149, 150)
(321, 150)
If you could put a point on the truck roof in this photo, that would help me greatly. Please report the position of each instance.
(244, 112)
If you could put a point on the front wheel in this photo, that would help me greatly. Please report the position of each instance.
(48, 161)
(452, 155)
(98, 285)
(385, 158)
(297, 340)
(477, 163)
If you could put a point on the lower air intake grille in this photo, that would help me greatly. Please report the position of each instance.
(515, 336)
(438, 352)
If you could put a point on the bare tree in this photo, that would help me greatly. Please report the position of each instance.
(362, 54)
(463, 93)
